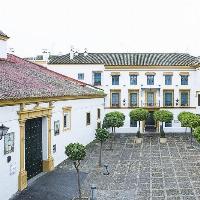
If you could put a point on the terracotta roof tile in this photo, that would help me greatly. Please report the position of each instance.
(21, 79)
(131, 59)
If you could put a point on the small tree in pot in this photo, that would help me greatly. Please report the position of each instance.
(139, 114)
(101, 135)
(163, 116)
(181, 117)
(113, 120)
(190, 120)
(76, 152)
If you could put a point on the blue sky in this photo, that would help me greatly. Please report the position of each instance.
(101, 25)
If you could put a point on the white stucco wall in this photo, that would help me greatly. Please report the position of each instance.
(124, 86)
(9, 183)
(79, 132)
(73, 70)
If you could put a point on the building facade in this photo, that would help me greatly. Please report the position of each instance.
(41, 110)
(132, 80)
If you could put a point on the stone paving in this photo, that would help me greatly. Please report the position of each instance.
(147, 171)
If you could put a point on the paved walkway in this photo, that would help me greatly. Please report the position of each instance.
(147, 171)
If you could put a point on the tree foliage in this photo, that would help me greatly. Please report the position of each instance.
(189, 119)
(163, 116)
(139, 114)
(101, 134)
(196, 133)
(75, 151)
(113, 119)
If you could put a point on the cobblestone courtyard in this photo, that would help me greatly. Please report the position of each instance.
(137, 171)
(145, 171)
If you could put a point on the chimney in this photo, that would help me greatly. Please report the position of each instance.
(3, 45)
(85, 52)
(71, 53)
(76, 53)
(45, 54)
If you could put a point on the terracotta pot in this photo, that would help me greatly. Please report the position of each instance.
(138, 140)
(163, 140)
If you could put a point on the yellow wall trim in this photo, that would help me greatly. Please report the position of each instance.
(34, 100)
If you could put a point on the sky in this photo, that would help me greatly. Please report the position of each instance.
(101, 26)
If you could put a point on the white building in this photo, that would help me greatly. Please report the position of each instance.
(130, 80)
(42, 109)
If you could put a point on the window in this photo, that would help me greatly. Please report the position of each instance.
(133, 98)
(115, 98)
(133, 79)
(198, 99)
(168, 79)
(133, 123)
(98, 113)
(88, 119)
(185, 96)
(168, 124)
(184, 79)
(150, 79)
(97, 78)
(168, 98)
(115, 79)
(80, 76)
(66, 118)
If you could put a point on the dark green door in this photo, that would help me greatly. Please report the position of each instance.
(33, 147)
(150, 124)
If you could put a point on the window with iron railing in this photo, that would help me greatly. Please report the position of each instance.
(185, 95)
(168, 98)
(115, 99)
(133, 99)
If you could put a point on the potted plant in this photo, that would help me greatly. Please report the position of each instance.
(101, 135)
(139, 114)
(163, 116)
(113, 120)
(76, 152)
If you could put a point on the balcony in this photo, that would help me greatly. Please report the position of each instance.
(150, 104)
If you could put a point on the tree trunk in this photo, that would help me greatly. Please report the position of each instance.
(111, 139)
(100, 155)
(138, 133)
(191, 137)
(78, 178)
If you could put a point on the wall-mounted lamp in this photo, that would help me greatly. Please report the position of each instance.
(3, 131)
(177, 102)
(124, 102)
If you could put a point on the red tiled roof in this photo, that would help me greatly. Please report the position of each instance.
(20, 79)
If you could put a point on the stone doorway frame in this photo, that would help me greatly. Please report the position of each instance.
(48, 165)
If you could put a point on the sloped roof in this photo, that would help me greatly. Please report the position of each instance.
(21, 79)
(132, 59)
